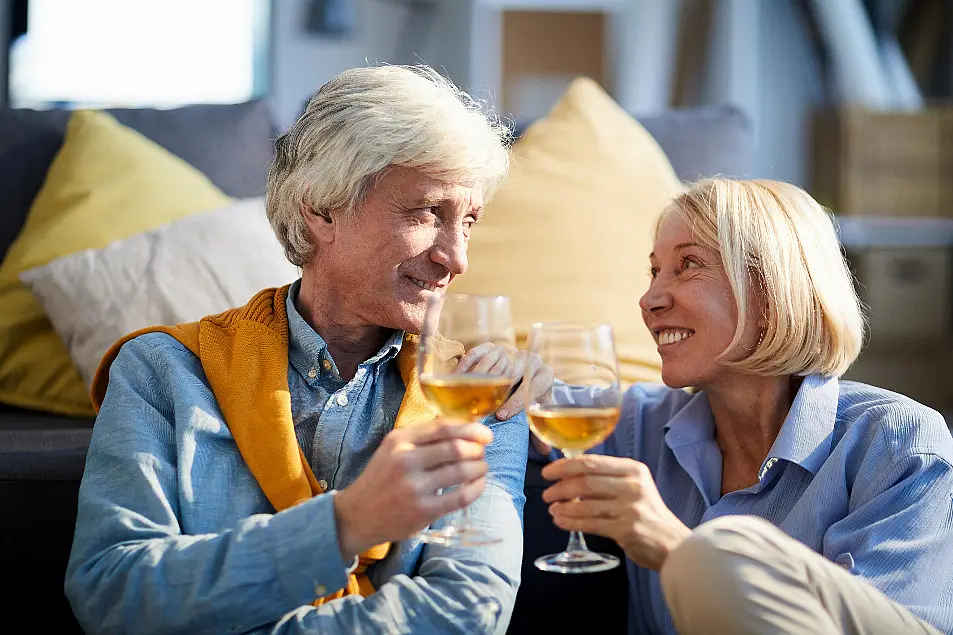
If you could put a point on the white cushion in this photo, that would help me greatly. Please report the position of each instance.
(180, 272)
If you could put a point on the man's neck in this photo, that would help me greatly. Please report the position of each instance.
(349, 344)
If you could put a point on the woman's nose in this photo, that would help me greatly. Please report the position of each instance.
(656, 298)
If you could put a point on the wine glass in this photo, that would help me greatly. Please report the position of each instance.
(454, 325)
(579, 413)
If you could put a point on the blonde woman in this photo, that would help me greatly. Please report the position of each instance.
(776, 498)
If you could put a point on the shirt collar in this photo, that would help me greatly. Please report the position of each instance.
(806, 435)
(308, 352)
(691, 424)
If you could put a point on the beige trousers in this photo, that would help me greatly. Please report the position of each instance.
(741, 574)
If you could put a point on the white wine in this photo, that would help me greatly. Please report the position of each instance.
(573, 428)
(465, 396)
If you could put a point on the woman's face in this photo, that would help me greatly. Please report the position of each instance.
(690, 308)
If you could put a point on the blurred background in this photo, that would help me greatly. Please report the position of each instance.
(847, 98)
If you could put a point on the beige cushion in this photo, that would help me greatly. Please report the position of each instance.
(568, 235)
(197, 266)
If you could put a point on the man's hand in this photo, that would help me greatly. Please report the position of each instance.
(616, 498)
(527, 368)
(396, 495)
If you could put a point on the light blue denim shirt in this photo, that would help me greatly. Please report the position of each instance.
(174, 535)
(860, 475)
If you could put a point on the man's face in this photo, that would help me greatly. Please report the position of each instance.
(406, 241)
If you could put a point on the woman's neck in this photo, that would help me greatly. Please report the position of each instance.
(748, 412)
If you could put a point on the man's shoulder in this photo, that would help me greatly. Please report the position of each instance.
(158, 359)
(154, 347)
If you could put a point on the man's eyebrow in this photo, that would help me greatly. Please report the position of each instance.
(428, 200)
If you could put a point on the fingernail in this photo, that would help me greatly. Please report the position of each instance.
(503, 413)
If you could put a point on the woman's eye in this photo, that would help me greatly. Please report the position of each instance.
(689, 263)
(653, 271)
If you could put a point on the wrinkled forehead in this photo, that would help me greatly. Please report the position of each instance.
(414, 187)
(676, 227)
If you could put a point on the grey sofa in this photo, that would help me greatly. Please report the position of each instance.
(42, 456)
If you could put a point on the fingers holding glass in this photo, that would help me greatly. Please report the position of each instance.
(578, 413)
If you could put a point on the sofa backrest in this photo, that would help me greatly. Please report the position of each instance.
(231, 144)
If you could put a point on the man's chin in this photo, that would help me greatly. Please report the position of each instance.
(409, 317)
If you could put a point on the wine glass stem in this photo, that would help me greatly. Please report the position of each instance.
(466, 516)
(576, 540)
(466, 510)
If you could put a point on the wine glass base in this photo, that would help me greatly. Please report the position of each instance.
(580, 561)
(466, 536)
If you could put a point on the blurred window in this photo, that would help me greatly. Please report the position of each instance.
(140, 53)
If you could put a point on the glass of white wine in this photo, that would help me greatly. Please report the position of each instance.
(578, 414)
(454, 325)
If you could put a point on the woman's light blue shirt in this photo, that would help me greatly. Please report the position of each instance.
(860, 475)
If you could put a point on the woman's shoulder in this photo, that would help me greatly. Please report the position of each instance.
(903, 426)
(646, 408)
(651, 405)
(656, 398)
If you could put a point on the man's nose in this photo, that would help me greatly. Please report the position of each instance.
(450, 251)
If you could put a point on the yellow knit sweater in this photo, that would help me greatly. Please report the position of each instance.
(244, 353)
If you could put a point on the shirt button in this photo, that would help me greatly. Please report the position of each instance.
(342, 400)
(312, 373)
(321, 590)
(326, 364)
(324, 485)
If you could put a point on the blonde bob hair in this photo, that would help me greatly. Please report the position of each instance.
(775, 240)
(366, 120)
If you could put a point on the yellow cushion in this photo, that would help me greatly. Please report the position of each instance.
(107, 182)
(568, 235)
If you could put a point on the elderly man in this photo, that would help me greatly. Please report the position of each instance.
(250, 472)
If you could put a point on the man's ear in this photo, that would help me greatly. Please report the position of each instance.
(319, 223)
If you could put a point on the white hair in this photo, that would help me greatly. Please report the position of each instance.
(366, 120)
(774, 239)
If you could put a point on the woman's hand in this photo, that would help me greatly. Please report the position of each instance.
(526, 367)
(616, 498)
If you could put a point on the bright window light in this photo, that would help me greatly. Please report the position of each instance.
(137, 53)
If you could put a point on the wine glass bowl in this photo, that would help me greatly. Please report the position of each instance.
(577, 414)
(465, 368)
